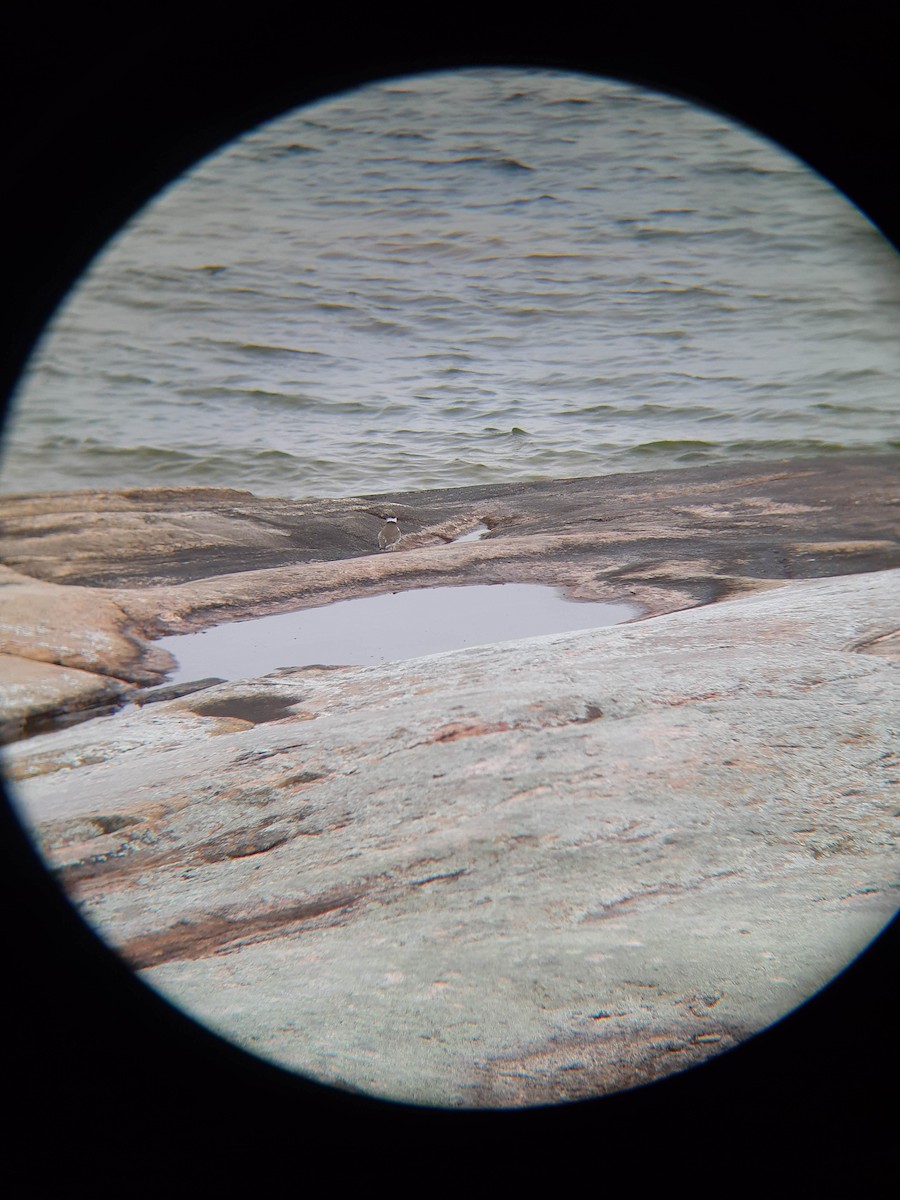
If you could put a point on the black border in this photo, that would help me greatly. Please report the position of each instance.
(95, 120)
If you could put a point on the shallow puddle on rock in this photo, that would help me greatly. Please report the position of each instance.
(375, 629)
(476, 535)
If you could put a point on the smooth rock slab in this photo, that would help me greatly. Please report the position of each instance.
(506, 875)
(30, 687)
(92, 578)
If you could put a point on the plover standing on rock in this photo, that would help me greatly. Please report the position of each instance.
(389, 534)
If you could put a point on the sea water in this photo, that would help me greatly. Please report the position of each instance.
(467, 277)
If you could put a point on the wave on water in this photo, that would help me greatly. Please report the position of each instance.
(802, 447)
(673, 452)
(679, 449)
(272, 351)
(242, 394)
(485, 276)
(292, 149)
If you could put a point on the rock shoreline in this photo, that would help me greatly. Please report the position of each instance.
(89, 579)
(502, 876)
(486, 879)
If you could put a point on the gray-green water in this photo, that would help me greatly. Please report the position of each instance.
(466, 277)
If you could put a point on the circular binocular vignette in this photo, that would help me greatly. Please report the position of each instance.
(551, 332)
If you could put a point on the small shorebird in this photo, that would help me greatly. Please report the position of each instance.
(389, 534)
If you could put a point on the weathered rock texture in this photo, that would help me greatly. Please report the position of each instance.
(89, 577)
(520, 874)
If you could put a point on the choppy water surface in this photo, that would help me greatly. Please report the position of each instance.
(467, 277)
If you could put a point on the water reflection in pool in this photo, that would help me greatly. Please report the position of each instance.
(386, 628)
